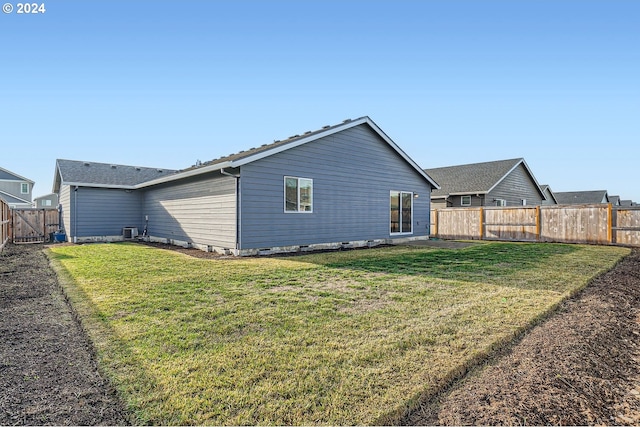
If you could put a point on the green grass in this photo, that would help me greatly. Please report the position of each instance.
(352, 337)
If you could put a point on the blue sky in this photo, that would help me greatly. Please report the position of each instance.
(166, 83)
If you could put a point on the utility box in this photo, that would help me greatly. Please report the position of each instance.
(129, 233)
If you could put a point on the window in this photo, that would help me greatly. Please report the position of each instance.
(465, 201)
(46, 202)
(401, 212)
(524, 202)
(298, 194)
(501, 202)
(24, 188)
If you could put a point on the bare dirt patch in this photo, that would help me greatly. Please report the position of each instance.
(580, 367)
(48, 375)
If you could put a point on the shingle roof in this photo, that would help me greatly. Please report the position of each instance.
(580, 197)
(73, 172)
(476, 178)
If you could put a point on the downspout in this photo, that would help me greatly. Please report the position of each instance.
(75, 215)
(238, 211)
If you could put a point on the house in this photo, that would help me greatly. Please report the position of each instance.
(549, 196)
(582, 197)
(614, 200)
(345, 185)
(15, 190)
(48, 201)
(497, 183)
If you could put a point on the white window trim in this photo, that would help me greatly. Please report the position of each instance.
(398, 233)
(22, 184)
(501, 202)
(465, 204)
(297, 211)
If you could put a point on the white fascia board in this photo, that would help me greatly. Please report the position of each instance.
(88, 184)
(468, 193)
(186, 174)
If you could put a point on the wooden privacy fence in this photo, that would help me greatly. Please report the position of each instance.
(5, 223)
(595, 224)
(33, 225)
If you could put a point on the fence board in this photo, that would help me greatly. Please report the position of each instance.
(458, 223)
(520, 224)
(627, 228)
(575, 224)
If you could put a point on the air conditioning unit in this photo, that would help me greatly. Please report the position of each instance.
(130, 232)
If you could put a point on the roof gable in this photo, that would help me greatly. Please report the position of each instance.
(255, 154)
(475, 178)
(11, 176)
(546, 190)
(73, 172)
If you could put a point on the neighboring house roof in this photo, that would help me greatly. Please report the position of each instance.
(545, 188)
(581, 197)
(10, 176)
(475, 178)
(93, 174)
(614, 200)
(626, 203)
(253, 154)
(12, 199)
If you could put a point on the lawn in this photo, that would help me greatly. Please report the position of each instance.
(354, 337)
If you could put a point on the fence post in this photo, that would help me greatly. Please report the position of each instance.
(435, 223)
(610, 223)
(481, 223)
(538, 220)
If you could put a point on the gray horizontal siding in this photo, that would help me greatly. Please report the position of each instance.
(104, 212)
(353, 172)
(14, 187)
(200, 211)
(64, 198)
(515, 187)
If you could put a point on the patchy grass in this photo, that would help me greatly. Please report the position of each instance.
(352, 337)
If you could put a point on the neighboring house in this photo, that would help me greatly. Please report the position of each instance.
(15, 190)
(341, 186)
(614, 200)
(582, 197)
(48, 201)
(549, 197)
(498, 183)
